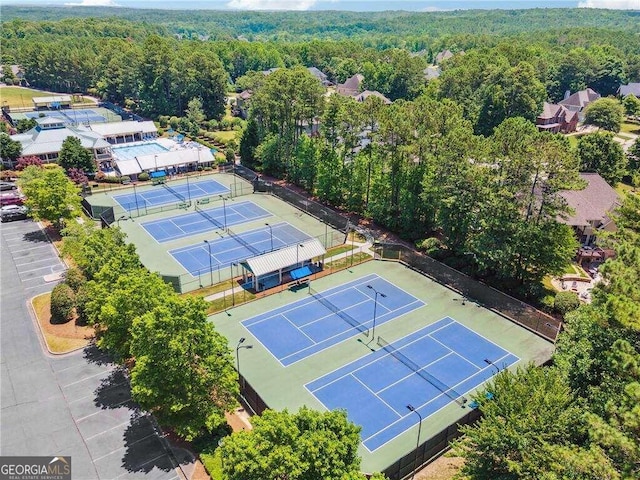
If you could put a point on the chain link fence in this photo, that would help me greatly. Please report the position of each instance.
(505, 305)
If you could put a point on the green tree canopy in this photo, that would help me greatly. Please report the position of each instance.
(183, 369)
(600, 153)
(605, 113)
(50, 194)
(9, 149)
(74, 155)
(307, 445)
(631, 105)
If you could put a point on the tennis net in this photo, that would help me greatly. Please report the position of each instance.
(181, 197)
(347, 318)
(243, 242)
(209, 217)
(450, 392)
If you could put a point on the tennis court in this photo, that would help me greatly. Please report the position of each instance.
(179, 226)
(132, 151)
(308, 326)
(80, 115)
(164, 194)
(427, 369)
(236, 247)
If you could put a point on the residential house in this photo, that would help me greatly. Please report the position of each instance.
(45, 140)
(432, 72)
(591, 208)
(557, 119)
(630, 89)
(579, 101)
(368, 93)
(351, 86)
(319, 75)
(18, 73)
(443, 55)
(242, 103)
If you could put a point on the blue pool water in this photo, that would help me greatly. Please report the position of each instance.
(131, 151)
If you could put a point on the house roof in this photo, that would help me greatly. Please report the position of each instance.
(245, 94)
(351, 85)
(443, 55)
(40, 141)
(285, 257)
(15, 69)
(553, 110)
(123, 128)
(270, 70)
(317, 73)
(368, 93)
(593, 203)
(431, 72)
(630, 89)
(580, 99)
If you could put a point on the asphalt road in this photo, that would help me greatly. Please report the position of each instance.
(77, 404)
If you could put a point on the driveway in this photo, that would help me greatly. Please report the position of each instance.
(77, 404)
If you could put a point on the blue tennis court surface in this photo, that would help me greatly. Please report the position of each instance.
(132, 151)
(300, 329)
(376, 389)
(161, 195)
(80, 115)
(180, 226)
(227, 250)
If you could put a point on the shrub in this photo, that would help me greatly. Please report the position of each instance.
(566, 302)
(173, 122)
(63, 301)
(82, 298)
(430, 245)
(143, 177)
(74, 278)
(163, 120)
(125, 179)
(208, 169)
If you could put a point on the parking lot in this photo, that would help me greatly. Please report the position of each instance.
(77, 404)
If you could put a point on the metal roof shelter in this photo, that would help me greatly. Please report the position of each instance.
(267, 267)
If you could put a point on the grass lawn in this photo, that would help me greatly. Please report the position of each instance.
(339, 249)
(18, 97)
(623, 189)
(573, 141)
(226, 136)
(629, 127)
(60, 338)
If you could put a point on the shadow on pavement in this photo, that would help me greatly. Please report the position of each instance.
(93, 354)
(114, 391)
(36, 236)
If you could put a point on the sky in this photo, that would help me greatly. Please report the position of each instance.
(353, 5)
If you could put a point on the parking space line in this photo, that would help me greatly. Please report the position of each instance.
(87, 378)
(111, 407)
(32, 248)
(34, 261)
(107, 430)
(36, 269)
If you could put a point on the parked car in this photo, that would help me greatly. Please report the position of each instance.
(8, 186)
(11, 198)
(9, 213)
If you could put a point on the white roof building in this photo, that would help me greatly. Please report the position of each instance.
(45, 140)
(178, 158)
(115, 131)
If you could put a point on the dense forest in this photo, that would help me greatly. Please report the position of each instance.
(454, 164)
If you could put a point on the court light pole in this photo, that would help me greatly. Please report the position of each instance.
(375, 308)
(210, 261)
(271, 233)
(415, 462)
(238, 348)
(123, 217)
(224, 211)
(135, 195)
(298, 253)
(186, 174)
(233, 296)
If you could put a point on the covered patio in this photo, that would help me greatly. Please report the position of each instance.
(294, 263)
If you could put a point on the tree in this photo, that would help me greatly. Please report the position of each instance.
(50, 194)
(307, 445)
(74, 155)
(113, 306)
(600, 153)
(527, 425)
(195, 116)
(24, 162)
(9, 149)
(631, 105)
(25, 124)
(184, 369)
(606, 113)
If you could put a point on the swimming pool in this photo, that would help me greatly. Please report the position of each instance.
(131, 151)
